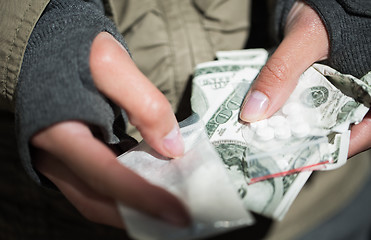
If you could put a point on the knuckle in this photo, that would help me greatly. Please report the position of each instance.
(104, 51)
(273, 76)
(101, 55)
(275, 72)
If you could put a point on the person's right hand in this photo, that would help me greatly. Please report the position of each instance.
(305, 42)
(360, 137)
(86, 171)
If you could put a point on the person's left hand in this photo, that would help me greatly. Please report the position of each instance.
(86, 170)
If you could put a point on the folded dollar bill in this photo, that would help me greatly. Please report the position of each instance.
(310, 132)
(305, 134)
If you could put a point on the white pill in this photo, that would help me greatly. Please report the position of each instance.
(276, 121)
(300, 130)
(265, 134)
(283, 164)
(295, 119)
(282, 132)
(292, 108)
(259, 124)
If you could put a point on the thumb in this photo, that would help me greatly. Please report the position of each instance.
(306, 41)
(360, 137)
(118, 78)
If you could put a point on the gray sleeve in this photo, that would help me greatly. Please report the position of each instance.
(55, 83)
(348, 23)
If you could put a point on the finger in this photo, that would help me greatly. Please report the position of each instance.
(93, 206)
(306, 42)
(117, 77)
(360, 137)
(92, 161)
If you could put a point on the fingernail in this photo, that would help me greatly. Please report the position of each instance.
(254, 107)
(175, 219)
(173, 142)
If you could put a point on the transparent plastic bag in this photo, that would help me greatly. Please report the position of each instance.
(198, 179)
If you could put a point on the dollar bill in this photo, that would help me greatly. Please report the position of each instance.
(271, 197)
(358, 89)
(270, 164)
(220, 106)
(224, 66)
(255, 56)
(326, 109)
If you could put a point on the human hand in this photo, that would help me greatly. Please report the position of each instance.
(306, 41)
(360, 137)
(86, 170)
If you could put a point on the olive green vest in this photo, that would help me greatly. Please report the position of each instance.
(17, 19)
(167, 37)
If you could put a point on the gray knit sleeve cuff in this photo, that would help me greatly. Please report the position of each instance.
(348, 23)
(55, 83)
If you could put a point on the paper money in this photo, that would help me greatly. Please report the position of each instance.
(257, 56)
(315, 136)
(358, 89)
(224, 66)
(266, 163)
(324, 109)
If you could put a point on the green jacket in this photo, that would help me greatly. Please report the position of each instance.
(17, 19)
(204, 19)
